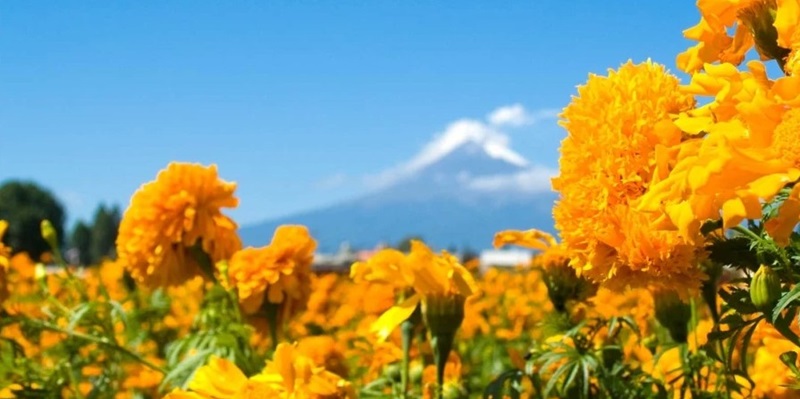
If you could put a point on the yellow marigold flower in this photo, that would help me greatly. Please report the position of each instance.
(753, 23)
(620, 130)
(171, 215)
(279, 273)
(5, 252)
(296, 376)
(747, 152)
(431, 276)
(221, 379)
(387, 265)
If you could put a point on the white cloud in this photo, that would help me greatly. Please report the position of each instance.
(533, 180)
(332, 182)
(516, 115)
(488, 134)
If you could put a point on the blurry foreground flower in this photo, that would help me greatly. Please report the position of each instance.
(174, 222)
(288, 375)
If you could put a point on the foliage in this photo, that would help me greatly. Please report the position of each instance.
(24, 205)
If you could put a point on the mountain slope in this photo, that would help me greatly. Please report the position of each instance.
(459, 196)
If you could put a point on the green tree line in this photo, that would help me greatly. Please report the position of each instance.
(24, 204)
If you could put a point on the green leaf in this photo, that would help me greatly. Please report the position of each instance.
(785, 301)
(497, 388)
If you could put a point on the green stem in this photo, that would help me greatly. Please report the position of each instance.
(694, 321)
(271, 310)
(99, 341)
(407, 329)
(441, 344)
(204, 260)
(747, 232)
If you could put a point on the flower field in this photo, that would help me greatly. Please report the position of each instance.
(673, 273)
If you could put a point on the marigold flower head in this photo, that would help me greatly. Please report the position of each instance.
(430, 275)
(289, 375)
(745, 150)
(753, 23)
(387, 266)
(620, 130)
(170, 216)
(279, 273)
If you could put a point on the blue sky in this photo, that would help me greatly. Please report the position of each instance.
(300, 102)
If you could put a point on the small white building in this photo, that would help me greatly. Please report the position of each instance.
(504, 258)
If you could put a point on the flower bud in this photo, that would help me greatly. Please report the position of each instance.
(49, 234)
(673, 314)
(40, 275)
(765, 289)
(564, 285)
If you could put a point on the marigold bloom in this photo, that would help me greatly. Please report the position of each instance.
(171, 215)
(279, 273)
(620, 130)
(288, 375)
(431, 276)
(746, 150)
(221, 379)
(753, 23)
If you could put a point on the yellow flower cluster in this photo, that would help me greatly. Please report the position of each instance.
(288, 375)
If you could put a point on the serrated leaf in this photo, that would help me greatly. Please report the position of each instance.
(785, 301)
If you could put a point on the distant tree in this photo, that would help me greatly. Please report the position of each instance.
(104, 233)
(24, 205)
(81, 241)
(405, 244)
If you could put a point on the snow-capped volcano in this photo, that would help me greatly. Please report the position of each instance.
(460, 189)
(465, 148)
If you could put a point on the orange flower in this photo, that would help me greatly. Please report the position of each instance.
(753, 23)
(276, 274)
(288, 375)
(433, 278)
(169, 217)
(620, 130)
(746, 150)
(221, 379)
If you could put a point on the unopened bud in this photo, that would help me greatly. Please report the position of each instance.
(49, 234)
(40, 274)
(765, 288)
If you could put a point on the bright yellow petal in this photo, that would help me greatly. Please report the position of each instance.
(535, 239)
(733, 212)
(220, 378)
(392, 318)
(283, 360)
